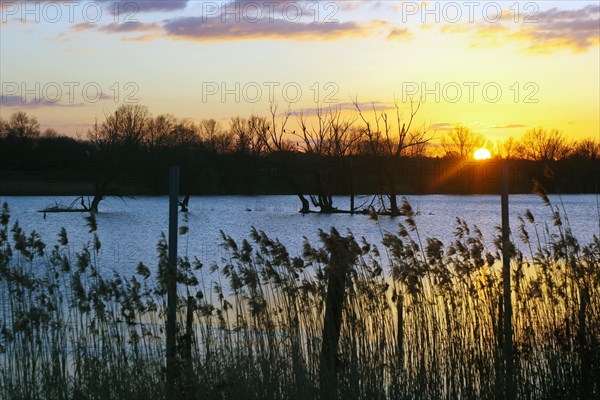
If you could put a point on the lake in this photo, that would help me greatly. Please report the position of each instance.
(130, 228)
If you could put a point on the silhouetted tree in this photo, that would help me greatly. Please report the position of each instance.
(21, 127)
(130, 151)
(50, 133)
(462, 142)
(389, 148)
(248, 146)
(587, 149)
(244, 132)
(158, 130)
(327, 141)
(185, 142)
(19, 133)
(116, 143)
(507, 149)
(213, 136)
(543, 144)
(281, 150)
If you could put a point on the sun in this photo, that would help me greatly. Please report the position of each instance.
(482, 154)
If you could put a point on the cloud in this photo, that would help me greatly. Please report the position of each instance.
(578, 30)
(84, 26)
(250, 20)
(16, 101)
(10, 101)
(509, 126)
(130, 27)
(546, 32)
(442, 126)
(150, 30)
(124, 6)
(213, 29)
(134, 6)
(399, 33)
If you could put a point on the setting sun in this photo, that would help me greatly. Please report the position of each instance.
(482, 154)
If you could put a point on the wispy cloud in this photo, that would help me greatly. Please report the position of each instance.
(126, 6)
(147, 5)
(130, 27)
(509, 126)
(442, 126)
(18, 102)
(248, 20)
(399, 33)
(149, 30)
(578, 30)
(549, 31)
(202, 29)
(84, 26)
(10, 101)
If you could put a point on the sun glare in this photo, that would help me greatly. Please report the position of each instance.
(482, 154)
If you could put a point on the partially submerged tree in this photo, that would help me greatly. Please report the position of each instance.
(389, 147)
(116, 143)
(281, 150)
(329, 140)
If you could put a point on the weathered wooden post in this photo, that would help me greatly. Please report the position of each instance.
(171, 327)
(351, 185)
(189, 388)
(506, 250)
(343, 253)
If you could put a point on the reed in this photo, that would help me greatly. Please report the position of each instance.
(419, 318)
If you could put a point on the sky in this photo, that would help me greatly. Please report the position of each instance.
(499, 68)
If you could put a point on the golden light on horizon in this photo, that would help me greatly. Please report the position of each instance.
(482, 154)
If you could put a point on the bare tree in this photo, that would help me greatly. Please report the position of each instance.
(328, 140)
(184, 141)
(543, 144)
(276, 145)
(21, 127)
(507, 149)
(587, 149)
(245, 135)
(18, 133)
(214, 137)
(389, 146)
(247, 147)
(115, 142)
(3, 128)
(128, 126)
(462, 142)
(182, 133)
(50, 133)
(159, 128)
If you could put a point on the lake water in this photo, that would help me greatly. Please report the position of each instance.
(130, 228)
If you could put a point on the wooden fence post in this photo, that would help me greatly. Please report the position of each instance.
(506, 250)
(171, 327)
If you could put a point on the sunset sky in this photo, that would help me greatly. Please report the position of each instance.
(497, 67)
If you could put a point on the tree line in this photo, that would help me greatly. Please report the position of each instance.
(329, 152)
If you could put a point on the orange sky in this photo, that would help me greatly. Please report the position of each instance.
(498, 71)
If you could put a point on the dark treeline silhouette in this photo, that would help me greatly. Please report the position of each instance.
(330, 154)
